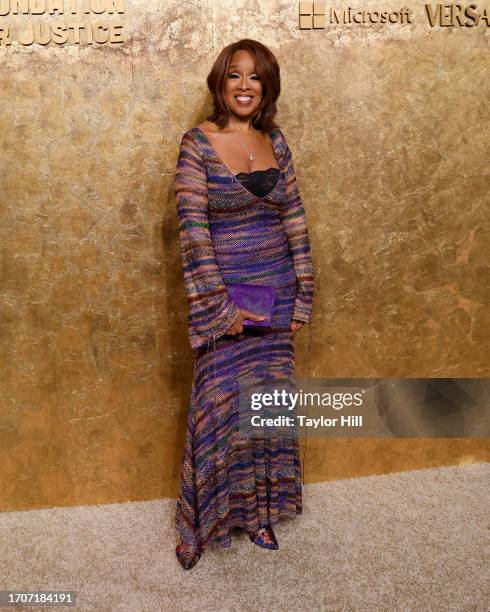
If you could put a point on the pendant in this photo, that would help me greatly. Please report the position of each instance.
(251, 158)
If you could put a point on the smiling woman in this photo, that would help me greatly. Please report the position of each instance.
(247, 99)
(241, 220)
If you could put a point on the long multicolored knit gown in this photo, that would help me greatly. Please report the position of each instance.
(229, 235)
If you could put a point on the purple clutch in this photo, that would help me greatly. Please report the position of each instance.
(255, 298)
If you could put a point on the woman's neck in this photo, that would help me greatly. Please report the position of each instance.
(244, 126)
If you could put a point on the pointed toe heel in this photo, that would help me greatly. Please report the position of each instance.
(265, 538)
(188, 561)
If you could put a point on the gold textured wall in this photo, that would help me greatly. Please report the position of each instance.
(388, 125)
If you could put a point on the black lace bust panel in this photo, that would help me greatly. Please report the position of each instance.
(259, 182)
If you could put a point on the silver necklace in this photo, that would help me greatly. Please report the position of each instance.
(250, 156)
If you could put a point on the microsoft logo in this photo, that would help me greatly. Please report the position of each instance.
(312, 15)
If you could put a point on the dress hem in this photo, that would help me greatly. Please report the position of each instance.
(224, 541)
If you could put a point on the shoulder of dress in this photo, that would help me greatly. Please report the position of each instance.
(277, 133)
(280, 142)
(280, 137)
(189, 134)
(191, 140)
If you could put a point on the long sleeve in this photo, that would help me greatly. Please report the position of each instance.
(293, 218)
(211, 311)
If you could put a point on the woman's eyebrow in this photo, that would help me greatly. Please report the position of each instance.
(235, 66)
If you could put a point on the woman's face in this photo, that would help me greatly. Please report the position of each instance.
(243, 88)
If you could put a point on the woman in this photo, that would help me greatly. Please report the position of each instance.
(241, 220)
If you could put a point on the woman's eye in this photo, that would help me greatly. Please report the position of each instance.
(234, 74)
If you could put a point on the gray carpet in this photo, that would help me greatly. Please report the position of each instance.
(411, 541)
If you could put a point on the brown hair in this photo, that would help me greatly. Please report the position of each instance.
(267, 69)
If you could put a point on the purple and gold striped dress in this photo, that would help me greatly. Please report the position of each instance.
(230, 235)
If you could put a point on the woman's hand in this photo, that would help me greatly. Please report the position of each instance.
(296, 325)
(237, 327)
